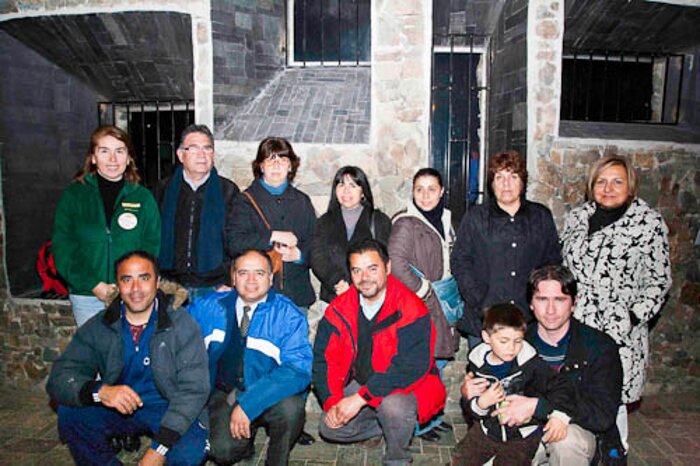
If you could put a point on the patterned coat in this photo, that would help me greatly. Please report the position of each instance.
(624, 273)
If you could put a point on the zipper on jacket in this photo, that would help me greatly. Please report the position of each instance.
(109, 252)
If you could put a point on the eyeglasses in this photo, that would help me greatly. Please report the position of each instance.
(275, 159)
(194, 149)
(106, 151)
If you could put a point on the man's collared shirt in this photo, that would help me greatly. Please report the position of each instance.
(253, 307)
(191, 182)
(371, 310)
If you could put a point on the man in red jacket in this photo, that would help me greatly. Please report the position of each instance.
(373, 369)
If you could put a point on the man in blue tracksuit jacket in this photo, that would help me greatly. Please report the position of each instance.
(259, 360)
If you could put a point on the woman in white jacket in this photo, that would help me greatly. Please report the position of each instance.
(616, 245)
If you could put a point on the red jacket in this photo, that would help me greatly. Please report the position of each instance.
(402, 357)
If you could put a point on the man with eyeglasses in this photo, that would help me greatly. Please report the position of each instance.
(196, 211)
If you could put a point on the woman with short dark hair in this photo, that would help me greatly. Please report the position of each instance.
(500, 242)
(273, 215)
(103, 214)
(350, 219)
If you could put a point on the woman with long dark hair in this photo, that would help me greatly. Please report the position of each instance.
(351, 218)
(419, 248)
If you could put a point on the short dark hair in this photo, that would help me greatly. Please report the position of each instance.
(259, 252)
(359, 178)
(368, 245)
(137, 253)
(279, 147)
(194, 128)
(554, 272)
(503, 315)
(510, 160)
(428, 172)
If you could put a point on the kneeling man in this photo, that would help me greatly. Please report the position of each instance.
(153, 375)
(260, 361)
(374, 372)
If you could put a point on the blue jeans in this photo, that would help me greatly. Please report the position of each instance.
(84, 307)
(86, 429)
(440, 363)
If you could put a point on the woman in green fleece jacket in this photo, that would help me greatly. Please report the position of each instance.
(103, 214)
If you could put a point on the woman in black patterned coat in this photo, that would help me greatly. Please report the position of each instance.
(616, 245)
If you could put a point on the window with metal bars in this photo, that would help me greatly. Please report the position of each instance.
(621, 87)
(330, 32)
(154, 127)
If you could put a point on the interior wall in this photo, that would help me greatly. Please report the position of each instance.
(46, 120)
(508, 80)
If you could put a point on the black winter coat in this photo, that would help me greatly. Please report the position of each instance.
(330, 246)
(189, 210)
(592, 366)
(529, 376)
(290, 211)
(494, 255)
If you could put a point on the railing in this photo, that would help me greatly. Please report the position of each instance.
(154, 127)
(623, 87)
(329, 32)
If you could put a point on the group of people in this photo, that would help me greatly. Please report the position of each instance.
(557, 352)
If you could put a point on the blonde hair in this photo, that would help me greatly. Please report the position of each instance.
(606, 162)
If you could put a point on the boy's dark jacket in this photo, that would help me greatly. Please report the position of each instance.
(529, 376)
(592, 366)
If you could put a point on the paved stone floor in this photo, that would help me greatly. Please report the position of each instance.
(665, 431)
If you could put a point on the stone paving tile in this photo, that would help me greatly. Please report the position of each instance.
(663, 432)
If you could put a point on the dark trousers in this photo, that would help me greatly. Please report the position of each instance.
(282, 422)
(86, 430)
(476, 448)
(394, 418)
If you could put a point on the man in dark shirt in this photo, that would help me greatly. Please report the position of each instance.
(373, 368)
(587, 357)
(196, 211)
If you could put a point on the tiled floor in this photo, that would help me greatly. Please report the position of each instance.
(665, 431)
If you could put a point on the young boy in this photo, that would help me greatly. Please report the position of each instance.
(512, 367)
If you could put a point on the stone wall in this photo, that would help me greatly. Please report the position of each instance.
(670, 181)
(47, 117)
(507, 107)
(248, 42)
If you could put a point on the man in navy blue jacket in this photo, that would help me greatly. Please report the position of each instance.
(260, 361)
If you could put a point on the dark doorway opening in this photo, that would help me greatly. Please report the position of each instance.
(455, 123)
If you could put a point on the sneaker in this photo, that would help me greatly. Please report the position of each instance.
(443, 427)
(305, 438)
(370, 442)
(430, 436)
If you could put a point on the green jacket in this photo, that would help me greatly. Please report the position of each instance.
(85, 248)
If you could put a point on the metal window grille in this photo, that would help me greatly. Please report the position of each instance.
(621, 87)
(154, 127)
(329, 33)
(456, 145)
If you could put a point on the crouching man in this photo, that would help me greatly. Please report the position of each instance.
(153, 375)
(260, 361)
(373, 371)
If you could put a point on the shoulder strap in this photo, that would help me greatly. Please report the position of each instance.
(371, 225)
(257, 209)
